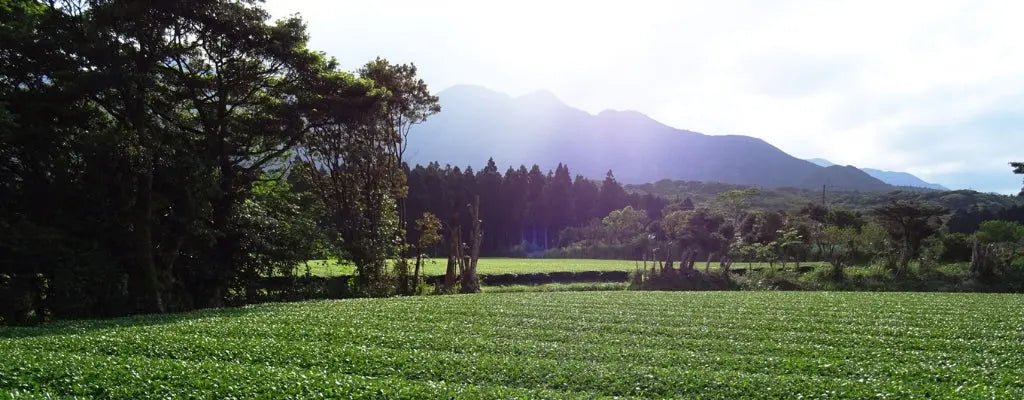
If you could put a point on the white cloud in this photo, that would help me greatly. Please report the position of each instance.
(842, 80)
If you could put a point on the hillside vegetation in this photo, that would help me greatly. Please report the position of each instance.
(794, 198)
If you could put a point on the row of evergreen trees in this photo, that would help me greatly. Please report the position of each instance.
(523, 210)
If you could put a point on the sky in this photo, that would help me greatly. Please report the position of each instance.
(934, 88)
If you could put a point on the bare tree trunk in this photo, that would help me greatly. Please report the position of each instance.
(455, 246)
(416, 270)
(981, 263)
(470, 282)
(725, 264)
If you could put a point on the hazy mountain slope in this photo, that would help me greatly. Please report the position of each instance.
(477, 123)
(821, 161)
(891, 177)
(902, 179)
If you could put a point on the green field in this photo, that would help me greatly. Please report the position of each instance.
(498, 265)
(540, 345)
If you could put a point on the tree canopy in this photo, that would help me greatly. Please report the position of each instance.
(144, 149)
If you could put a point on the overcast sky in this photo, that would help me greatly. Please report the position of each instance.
(933, 88)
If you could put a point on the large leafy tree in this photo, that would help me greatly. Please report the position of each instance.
(693, 232)
(150, 123)
(355, 178)
(214, 80)
(407, 102)
(909, 224)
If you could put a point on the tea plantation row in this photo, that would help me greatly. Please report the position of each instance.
(541, 345)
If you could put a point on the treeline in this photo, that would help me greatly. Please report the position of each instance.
(906, 239)
(144, 145)
(790, 199)
(524, 210)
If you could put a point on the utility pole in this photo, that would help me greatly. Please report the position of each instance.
(824, 201)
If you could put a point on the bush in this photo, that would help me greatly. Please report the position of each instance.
(955, 247)
(673, 279)
(768, 280)
(21, 299)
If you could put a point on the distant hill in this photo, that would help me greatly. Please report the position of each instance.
(794, 198)
(891, 177)
(477, 123)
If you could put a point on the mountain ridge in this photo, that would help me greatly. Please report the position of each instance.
(894, 178)
(477, 123)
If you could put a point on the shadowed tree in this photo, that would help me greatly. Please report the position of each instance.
(558, 202)
(513, 196)
(492, 210)
(584, 200)
(408, 102)
(179, 108)
(536, 212)
(612, 195)
(1018, 168)
(356, 177)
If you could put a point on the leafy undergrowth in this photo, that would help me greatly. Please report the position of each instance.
(541, 345)
(558, 287)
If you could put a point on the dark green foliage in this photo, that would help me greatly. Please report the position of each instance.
(997, 250)
(790, 199)
(279, 234)
(1000, 232)
(909, 224)
(955, 247)
(140, 145)
(525, 212)
(1018, 168)
(679, 279)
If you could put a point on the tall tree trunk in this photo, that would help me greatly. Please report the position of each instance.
(454, 246)
(142, 235)
(226, 245)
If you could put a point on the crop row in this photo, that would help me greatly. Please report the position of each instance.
(714, 344)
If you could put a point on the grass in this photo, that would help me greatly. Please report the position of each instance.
(540, 345)
(498, 265)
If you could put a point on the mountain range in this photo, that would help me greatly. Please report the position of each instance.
(477, 123)
(891, 177)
